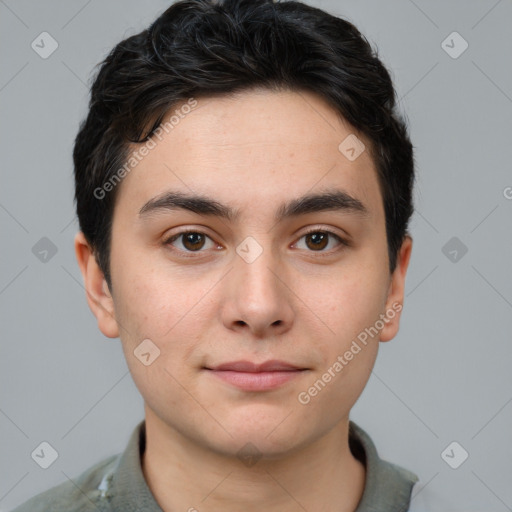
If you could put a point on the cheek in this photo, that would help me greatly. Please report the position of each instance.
(151, 308)
(348, 383)
(148, 300)
(349, 351)
(347, 301)
(163, 306)
(141, 307)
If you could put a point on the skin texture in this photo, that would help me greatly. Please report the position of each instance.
(251, 151)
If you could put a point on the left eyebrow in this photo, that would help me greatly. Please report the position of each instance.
(331, 200)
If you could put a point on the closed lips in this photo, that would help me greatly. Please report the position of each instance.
(250, 367)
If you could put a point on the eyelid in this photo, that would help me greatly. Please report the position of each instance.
(325, 229)
(175, 236)
(343, 241)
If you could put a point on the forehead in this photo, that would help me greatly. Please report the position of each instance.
(256, 147)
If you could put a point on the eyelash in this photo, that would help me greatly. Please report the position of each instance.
(342, 241)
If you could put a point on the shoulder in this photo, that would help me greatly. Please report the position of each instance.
(74, 495)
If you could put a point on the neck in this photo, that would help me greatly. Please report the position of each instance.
(323, 476)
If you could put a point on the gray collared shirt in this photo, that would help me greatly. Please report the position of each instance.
(117, 484)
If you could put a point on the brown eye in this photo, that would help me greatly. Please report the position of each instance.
(316, 240)
(191, 241)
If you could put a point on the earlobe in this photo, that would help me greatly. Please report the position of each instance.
(395, 299)
(98, 295)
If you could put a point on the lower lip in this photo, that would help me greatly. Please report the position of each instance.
(256, 381)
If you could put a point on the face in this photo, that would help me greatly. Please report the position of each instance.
(259, 277)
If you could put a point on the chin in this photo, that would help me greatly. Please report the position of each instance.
(269, 435)
(250, 447)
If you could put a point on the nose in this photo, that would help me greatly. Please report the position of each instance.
(257, 297)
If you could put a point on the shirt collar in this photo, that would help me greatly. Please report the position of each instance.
(388, 486)
(130, 492)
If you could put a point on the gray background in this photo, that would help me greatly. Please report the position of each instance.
(446, 376)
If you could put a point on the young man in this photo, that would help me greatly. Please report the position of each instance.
(243, 187)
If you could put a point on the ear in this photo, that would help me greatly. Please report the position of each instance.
(98, 295)
(395, 299)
